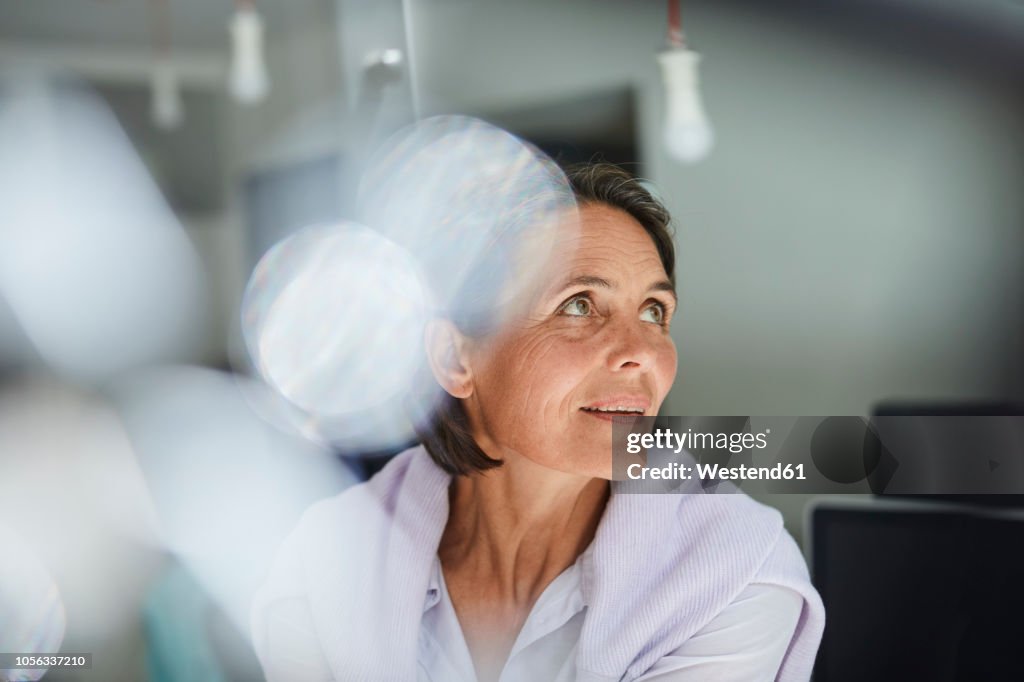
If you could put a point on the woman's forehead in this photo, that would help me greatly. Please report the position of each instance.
(607, 248)
(606, 233)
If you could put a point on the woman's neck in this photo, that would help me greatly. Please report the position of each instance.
(510, 532)
(520, 525)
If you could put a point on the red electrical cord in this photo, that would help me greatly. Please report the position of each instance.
(675, 25)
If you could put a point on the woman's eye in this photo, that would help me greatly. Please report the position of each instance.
(654, 313)
(578, 306)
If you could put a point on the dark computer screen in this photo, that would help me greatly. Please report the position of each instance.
(934, 593)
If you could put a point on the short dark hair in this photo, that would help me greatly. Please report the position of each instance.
(444, 431)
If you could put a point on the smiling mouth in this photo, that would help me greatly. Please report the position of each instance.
(609, 413)
(615, 410)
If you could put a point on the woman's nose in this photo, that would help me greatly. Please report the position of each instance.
(631, 347)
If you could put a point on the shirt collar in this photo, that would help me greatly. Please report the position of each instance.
(568, 585)
(433, 586)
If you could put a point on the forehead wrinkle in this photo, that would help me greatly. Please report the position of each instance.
(610, 248)
(607, 271)
(636, 250)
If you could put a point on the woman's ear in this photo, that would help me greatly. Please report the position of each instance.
(446, 353)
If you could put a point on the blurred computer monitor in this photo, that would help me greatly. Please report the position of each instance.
(918, 590)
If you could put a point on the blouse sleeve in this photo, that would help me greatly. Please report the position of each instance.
(746, 642)
(284, 634)
(292, 650)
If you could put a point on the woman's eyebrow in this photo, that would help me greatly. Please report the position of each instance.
(580, 281)
(587, 281)
(666, 286)
(592, 281)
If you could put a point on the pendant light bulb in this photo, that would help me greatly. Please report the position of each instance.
(688, 134)
(165, 104)
(249, 82)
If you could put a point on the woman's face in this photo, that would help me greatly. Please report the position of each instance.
(593, 340)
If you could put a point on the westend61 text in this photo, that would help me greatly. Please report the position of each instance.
(716, 472)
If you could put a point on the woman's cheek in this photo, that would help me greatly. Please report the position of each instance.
(668, 365)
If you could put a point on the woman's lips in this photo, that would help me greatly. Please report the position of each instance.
(610, 416)
(612, 405)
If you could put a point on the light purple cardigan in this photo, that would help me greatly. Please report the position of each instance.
(662, 566)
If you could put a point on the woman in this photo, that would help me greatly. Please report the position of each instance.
(496, 550)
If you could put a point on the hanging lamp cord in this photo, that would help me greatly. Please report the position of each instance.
(676, 39)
